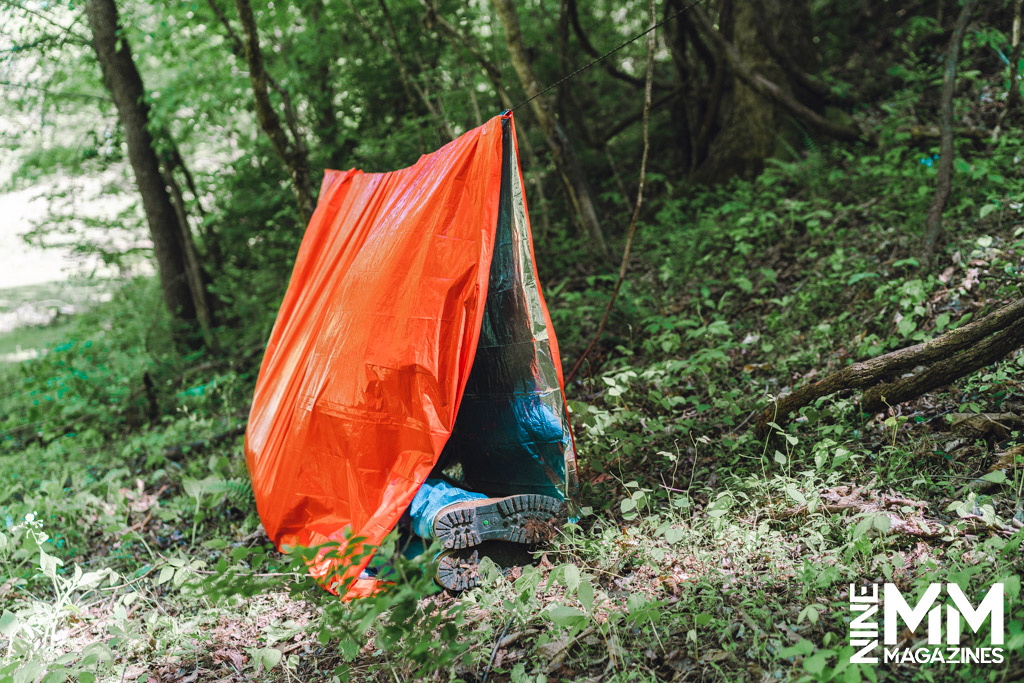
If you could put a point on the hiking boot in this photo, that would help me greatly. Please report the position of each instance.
(525, 518)
(459, 570)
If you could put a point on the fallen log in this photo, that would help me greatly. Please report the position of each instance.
(946, 358)
(945, 371)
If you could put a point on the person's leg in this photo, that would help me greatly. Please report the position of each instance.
(461, 518)
(471, 526)
(433, 496)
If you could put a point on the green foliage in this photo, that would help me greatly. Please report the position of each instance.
(129, 538)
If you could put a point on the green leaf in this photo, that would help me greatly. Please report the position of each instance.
(674, 534)
(997, 477)
(193, 487)
(165, 575)
(794, 493)
(857, 277)
(572, 576)
(862, 527)
(803, 647)
(986, 210)
(1011, 585)
(563, 615)
(815, 664)
(269, 657)
(8, 624)
(586, 595)
(48, 564)
(882, 523)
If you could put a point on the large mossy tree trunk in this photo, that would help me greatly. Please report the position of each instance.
(750, 123)
(181, 279)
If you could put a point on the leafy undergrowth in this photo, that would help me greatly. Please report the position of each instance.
(130, 548)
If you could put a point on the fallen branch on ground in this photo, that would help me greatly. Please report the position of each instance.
(948, 357)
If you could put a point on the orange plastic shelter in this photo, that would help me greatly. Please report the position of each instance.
(375, 341)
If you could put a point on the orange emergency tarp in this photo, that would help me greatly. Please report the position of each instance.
(369, 359)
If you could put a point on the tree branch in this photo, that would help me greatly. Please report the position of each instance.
(55, 93)
(945, 371)
(588, 47)
(625, 123)
(292, 152)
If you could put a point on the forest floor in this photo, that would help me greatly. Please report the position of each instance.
(130, 549)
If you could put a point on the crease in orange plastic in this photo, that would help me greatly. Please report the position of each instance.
(368, 361)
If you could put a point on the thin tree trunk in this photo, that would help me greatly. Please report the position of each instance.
(292, 151)
(686, 109)
(122, 80)
(944, 178)
(1013, 97)
(322, 101)
(197, 280)
(211, 244)
(565, 159)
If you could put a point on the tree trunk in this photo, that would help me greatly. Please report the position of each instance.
(760, 87)
(205, 303)
(947, 150)
(292, 151)
(1013, 98)
(122, 80)
(748, 129)
(565, 159)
